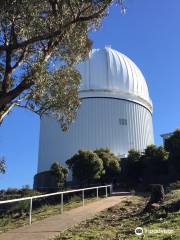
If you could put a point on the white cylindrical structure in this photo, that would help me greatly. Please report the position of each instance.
(116, 112)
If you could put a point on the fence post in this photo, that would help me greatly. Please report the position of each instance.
(83, 197)
(62, 203)
(106, 192)
(30, 212)
(97, 192)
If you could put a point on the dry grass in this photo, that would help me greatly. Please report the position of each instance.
(119, 222)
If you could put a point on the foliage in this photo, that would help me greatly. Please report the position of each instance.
(40, 42)
(111, 165)
(145, 168)
(155, 160)
(134, 167)
(60, 173)
(175, 185)
(134, 156)
(2, 165)
(172, 145)
(11, 193)
(86, 166)
(26, 191)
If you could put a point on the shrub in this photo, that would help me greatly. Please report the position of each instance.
(60, 173)
(111, 165)
(86, 166)
(175, 185)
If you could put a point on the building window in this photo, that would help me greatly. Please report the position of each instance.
(123, 121)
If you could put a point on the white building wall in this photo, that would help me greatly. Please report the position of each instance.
(97, 125)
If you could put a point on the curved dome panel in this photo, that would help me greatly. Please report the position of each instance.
(108, 72)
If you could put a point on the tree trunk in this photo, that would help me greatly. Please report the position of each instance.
(157, 197)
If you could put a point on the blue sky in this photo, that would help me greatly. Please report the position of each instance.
(150, 35)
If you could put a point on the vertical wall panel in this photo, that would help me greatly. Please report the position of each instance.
(97, 125)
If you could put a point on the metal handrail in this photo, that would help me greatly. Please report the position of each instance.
(57, 193)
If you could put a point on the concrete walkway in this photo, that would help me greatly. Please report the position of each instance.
(51, 226)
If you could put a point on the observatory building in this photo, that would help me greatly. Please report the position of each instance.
(116, 111)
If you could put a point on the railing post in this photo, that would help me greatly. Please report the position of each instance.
(62, 202)
(83, 197)
(106, 192)
(30, 212)
(110, 189)
(97, 192)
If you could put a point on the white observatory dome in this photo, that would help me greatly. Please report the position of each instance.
(115, 113)
(109, 73)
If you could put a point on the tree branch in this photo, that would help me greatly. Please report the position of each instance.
(28, 108)
(19, 61)
(7, 109)
(55, 33)
(71, 9)
(6, 80)
(8, 70)
(93, 16)
(8, 97)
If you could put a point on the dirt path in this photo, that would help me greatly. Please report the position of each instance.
(50, 227)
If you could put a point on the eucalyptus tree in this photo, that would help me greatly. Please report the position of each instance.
(40, 42)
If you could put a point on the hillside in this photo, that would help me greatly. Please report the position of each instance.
(120, 222)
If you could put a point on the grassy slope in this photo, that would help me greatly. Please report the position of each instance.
(119, 222)
(9, 222)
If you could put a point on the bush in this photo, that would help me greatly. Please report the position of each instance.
(17, 208)
(60, 174)
(111, 165)
(86, 166)
(175, 185)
